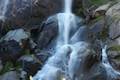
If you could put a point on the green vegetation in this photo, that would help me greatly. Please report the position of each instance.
(99, 2)
(115, 48)
(7, 67)
(10, 66)
(98, 18)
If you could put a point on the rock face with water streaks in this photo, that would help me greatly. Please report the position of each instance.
(81, 60)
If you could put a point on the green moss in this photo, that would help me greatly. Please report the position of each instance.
(115, 48)
(95, 20)
(26, 52)
(104, 34)
(99, 2)
(18, 65)
(7, 67)
(98, 18)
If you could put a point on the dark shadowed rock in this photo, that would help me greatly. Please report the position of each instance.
(10, 50)
(97, 72)
(43, 56)
(49, 32)
(30, 64)
(1, 66)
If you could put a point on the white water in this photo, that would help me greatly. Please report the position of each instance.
(66, 23)
(68, 15)
(111, 72)
(56, 66)
(3, 8)
(65, 64)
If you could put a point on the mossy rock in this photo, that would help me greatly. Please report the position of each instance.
(99, 2)
(97, 19)
(7, 67)
(114, 48)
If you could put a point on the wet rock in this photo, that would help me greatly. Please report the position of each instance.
(98, 26)
(82, 34)
(43, 56)
(114, 53)
(18, 35)
(97, 72)
(48, 33)
(98, 29)
(10, 50)
(113, 21)
(12, 75)
(1, 65)
(81, 60)
(30, 64)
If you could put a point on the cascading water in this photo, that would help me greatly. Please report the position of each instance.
(66, 22)
(3, 8)
(56, 65)
(111, 72)
(68, 14)
(65, 64)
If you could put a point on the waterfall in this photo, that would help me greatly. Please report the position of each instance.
(3, 8)
(66, 21)
(56, 66)
(68, 15)
(111, 72)
(68, 6)
(66, 63)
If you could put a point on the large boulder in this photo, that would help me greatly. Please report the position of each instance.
(113, 21)
(18, 35)
(48, 32)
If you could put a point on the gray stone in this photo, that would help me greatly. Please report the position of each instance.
(12, 75)
(113, 20)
